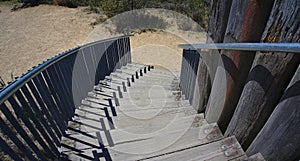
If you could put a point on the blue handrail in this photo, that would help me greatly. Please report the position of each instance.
(45, 98)
(267, 47)
(14, 86)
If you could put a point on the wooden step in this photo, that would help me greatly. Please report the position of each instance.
(221, 150)
(97, 101)
(149, 122)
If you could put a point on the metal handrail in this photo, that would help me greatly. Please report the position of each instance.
(267, 47)
(7, 91)
(108, 39)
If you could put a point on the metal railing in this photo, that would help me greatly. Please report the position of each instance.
(189, 68)
(267, 47)
(36, 107)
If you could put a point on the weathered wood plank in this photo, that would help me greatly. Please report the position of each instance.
(208, 62)
(269, 76)
(279, 138)
(245, 17)
(121, 136)
(165, 143)
(218, 18)
(225, 149)
(202, 87)
(256, 157)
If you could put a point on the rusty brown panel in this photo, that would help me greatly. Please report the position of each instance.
(252, 26)
(269, 75)
(255, 19)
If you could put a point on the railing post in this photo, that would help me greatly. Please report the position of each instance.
(183, 72)
(190, 59)
(195, 55)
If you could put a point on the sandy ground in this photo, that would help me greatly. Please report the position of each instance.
(32, 35)
(158, 48)
(155, 48)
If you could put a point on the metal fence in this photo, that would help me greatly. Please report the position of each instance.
(35, 109)
(189, 68)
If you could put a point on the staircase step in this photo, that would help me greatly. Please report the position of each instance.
(137, 112)
(133, 101)
(145, 78)
(153, 72)
(144, 113)
(136, 85)
(158, 82)
(87, 119)
(165, 75)
(155, 92)
(149, 122)
(153, 106)
(98, 108)
(101, 96)
(180, 125)
(88, 125)
(154, 102)
(121, 136)
(97, 104)
(214, 151)
(146, 103)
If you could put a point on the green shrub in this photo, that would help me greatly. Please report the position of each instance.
(198, 10)
(137, 20)
(68, 3)
(31, 2)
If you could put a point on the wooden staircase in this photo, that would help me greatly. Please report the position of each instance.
(138, 113)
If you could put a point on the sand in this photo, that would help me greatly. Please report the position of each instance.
(30, 36)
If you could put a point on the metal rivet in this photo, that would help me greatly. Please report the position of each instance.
(223, 147)
(206, 131)
(227, 153)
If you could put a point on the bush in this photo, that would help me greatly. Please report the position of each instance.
(31, 2)
(110, 7)
(138, 20)
(198, 10)
(68, 3)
